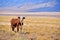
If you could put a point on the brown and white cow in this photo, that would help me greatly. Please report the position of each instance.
(16, 22)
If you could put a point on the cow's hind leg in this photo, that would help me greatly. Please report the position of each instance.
(17, 28)
(12, 28)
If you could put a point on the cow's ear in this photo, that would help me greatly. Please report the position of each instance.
(23, 17)
(19, 17)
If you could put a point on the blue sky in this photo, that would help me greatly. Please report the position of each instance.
(30, 5)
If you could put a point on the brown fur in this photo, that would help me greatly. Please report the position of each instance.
(15, 23)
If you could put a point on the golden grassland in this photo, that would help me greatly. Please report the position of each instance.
(34, 28)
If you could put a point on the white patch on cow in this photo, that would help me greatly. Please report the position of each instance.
(21, 17)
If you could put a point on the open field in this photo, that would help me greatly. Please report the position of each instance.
(34, 28)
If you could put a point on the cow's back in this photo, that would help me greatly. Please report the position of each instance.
(14, 21)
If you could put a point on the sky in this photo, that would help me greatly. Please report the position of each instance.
(30, 5)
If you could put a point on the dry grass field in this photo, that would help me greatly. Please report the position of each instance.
(34, 28)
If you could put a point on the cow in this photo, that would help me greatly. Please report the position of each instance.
(16, 22)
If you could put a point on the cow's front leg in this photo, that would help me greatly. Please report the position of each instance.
(21, 28)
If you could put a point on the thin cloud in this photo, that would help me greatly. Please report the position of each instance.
(42, 5)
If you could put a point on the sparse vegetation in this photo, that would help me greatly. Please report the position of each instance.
(34, 28)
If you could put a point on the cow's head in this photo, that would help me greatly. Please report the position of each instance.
(21, 20)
